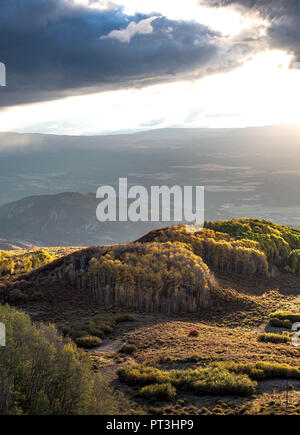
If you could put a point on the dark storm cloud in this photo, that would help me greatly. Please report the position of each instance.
(55, 48)
(283, 18)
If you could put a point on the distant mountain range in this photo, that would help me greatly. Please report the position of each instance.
(246, 172)
(6, 245)
(66, 219)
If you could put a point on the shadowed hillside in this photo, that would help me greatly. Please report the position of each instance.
(65, 219)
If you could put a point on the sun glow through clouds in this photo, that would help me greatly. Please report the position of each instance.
(262, 91)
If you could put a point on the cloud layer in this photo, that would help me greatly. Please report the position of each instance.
(143, 27)
(282, 21)
(55, 48)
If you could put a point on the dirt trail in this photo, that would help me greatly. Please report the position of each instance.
(109, 346)
(278, 385)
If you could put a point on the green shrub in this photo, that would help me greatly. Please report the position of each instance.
(277, 370)
(210, 380)
(274, 338)
(286, 315)
(262, 370)
(218, 381)
(128, 348)
(277, 323)
(88, 341)
(97, 326)
(92, 329)
(142, 375)
(158, 391)
(124, 318)
(103, 327)
(215, 379)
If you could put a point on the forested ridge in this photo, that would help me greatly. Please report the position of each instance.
(166, 277)
(281, 244)
(21, 262)
(168, 270)
(217, 249)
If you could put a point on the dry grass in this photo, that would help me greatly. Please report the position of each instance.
(274, 338)
(273, 403)
(169, 342)
(276, 403)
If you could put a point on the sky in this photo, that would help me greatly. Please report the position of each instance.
(87, 67)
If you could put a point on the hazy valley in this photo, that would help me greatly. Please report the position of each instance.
(245, 172)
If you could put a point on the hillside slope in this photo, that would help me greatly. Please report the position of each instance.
(244, 245)
(7, 245)
(65, 219)
(153, 277)
(198, 303)
(169, 270)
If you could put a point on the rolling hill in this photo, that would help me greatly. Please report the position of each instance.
(169, 270)
(201, 311)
